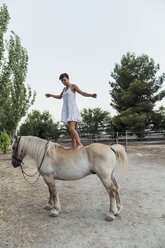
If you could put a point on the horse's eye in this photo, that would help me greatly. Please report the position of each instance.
(13, 148)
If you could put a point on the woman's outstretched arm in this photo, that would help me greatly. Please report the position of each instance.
(55, 96)
(77, 89)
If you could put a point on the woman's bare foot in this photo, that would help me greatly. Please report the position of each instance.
(79, 147)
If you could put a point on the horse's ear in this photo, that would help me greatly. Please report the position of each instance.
(16, 137)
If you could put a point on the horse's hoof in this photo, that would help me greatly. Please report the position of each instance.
(109, 217)
(47, 207)
(54, 213)
(119, 211)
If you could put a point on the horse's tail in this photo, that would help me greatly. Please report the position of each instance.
(121, 155)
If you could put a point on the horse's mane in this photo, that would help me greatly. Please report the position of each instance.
(52, 148)
(35, 146)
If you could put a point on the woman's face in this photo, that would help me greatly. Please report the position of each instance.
(65, 81)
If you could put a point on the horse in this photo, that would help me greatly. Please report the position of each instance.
(55, 162)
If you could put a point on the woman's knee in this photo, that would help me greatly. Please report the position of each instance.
(71, 129)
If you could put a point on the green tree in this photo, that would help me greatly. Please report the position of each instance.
(15, 97)
(94, 121)
(64, 129)
(4, 141)
(40, 125)
(158, 119)
(4, 87)
(134, 92)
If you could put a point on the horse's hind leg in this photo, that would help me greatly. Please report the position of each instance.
(54, 203)
(118, 202)
(111, 189)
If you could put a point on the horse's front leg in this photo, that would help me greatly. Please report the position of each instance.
(48, 205)
(54, 203)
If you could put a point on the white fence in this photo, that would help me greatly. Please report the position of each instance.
(126, 137)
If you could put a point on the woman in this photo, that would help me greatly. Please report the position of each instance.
(70, 112)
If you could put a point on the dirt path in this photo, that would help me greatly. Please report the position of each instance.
(24, 223)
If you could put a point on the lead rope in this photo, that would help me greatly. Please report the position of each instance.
(24, 173)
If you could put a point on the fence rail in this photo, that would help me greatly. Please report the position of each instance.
(126, 137)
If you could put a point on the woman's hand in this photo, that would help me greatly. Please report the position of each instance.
(94, 95)
(54, 96)
(48, 95)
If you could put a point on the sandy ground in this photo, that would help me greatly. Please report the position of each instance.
(24, 222)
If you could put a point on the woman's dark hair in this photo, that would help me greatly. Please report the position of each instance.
(63, 75)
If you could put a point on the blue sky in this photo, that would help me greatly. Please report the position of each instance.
(84, 38)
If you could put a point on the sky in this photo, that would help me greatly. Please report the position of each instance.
(84, 38)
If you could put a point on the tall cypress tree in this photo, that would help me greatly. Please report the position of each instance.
(15, 96)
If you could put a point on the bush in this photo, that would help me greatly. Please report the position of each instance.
(4, 141)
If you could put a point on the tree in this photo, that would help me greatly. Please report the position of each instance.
(15, 97)
(134, 92)
(4, 87)
(4, 141)
(158, 119)
(64, 129)
(40, 125)
(94, 120)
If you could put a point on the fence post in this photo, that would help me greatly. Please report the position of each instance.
(117, 138)
(126, 142)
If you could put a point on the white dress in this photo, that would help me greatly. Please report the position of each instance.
(70, 110)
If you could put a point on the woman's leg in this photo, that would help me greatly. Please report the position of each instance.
(74, 135)
(73, 141)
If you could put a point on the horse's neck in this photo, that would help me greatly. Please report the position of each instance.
(34, 147)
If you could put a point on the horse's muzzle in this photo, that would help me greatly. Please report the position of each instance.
(15, 163)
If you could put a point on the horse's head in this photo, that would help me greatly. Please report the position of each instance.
(18, 153)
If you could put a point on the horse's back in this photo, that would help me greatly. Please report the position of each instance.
(97, 149)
